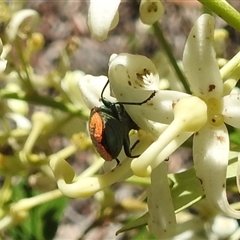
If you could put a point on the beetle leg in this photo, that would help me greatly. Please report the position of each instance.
(117, 160)
(127, 149)
(135, 144)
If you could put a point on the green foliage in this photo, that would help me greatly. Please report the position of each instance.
(42, 221)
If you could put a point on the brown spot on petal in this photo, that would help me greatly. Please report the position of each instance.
(129, 83)
(211, 88)
(173, 104)
(149, 103)
(220, 139)
(223, 185)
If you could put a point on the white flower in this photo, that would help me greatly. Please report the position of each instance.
(22, 22)
(150, 11)
(211, 143)
(70, 86)
(91, 88)
(102, 17)
(134, 79)
(205, 114)
(3, 62)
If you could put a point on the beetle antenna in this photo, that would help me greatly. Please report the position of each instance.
(138, 103)
(103, 99)
(117, 160)
(104, 89)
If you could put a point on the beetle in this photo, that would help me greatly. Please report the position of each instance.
(109, 126)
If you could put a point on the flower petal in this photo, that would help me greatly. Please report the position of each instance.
(151, 11)
(70, 84)
(21, 121)
(238, 173)
(134, 79)
(102, 17)
(210, 155)
(3, 64)
(190, 114)
(161, 211)
(85, 185)
(23, 21)
(231, 110)
(156, 153)
(133, 70)
(159, 108)
(199, 61)
(91, 88)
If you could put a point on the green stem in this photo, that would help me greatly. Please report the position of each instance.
(28, 203)
(224, 10)
(167, 49)
(26, 80)
(230, 66)
(44, 101)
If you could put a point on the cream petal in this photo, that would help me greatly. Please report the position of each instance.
(102, 17)
(190, 115)
(210, 154)
(86, 185)
(21, 121)
(70, 84)
(159, 108)
(135, 79)
(231, 110)
(133, 71)
(161, 211)
(91, 88)
(150, 11)
(199, 60)
(157, 152)
(238, 173)
(22, 22)
(3, 64)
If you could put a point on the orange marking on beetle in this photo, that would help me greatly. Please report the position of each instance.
(96, 129)
(103, 152)
(96, 126)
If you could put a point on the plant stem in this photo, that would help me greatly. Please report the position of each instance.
(167, 49)
(44, 101)
(26, 80)
(224, 10)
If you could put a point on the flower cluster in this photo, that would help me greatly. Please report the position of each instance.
(132, 116)
(171, 117)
